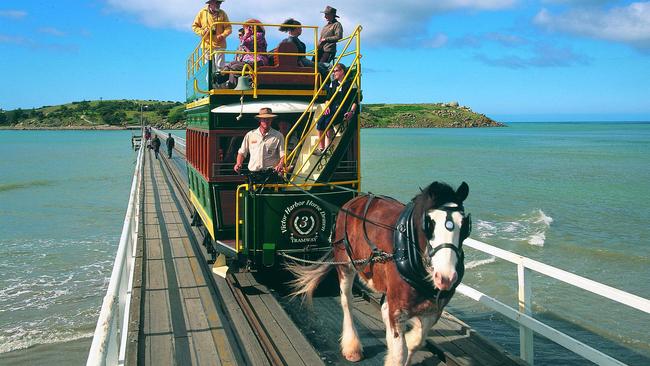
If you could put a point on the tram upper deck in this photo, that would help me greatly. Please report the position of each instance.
(294, 92)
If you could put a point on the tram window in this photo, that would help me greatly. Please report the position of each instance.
(229, 145)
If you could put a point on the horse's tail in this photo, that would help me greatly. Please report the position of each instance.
(307, 278)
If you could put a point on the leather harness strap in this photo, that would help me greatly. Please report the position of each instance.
(375, 252)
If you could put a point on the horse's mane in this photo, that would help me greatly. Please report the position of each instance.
(434, 195)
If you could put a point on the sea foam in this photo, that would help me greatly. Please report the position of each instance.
(530, 228)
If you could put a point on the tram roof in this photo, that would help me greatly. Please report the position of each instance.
(278, 106)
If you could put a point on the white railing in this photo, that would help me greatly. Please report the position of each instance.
(523, 316)
(109, 342)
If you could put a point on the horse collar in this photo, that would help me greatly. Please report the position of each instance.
(408, 258)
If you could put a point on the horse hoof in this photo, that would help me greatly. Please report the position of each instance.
(353, 356)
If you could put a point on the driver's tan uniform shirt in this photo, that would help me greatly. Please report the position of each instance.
(265, 150)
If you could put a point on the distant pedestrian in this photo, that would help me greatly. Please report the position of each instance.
(155, 145)
(170, 145)
(147, 137)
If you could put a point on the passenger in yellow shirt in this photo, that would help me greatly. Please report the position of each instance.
(213, 35)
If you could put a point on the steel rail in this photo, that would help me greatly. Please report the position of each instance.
(264, 338)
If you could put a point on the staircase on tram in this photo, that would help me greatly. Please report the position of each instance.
(313, 168)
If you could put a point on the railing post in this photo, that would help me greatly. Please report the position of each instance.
(526, 348)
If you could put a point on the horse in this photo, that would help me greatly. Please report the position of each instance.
(412, 254)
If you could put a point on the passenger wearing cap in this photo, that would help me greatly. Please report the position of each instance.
(264, 144)
(205, 23)
(331, 33)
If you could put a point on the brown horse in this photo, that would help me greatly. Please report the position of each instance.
(412, 254)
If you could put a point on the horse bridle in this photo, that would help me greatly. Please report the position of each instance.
(429, 225)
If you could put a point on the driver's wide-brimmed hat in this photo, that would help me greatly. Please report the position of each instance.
(330, 10)
(219, 1)
(266, 113)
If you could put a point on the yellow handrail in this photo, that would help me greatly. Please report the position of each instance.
(329, 125)
(201, 55)
(355, 35)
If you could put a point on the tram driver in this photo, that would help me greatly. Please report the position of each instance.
(264, 144)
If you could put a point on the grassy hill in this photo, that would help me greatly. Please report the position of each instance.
(97, 114)
(423, 115)
(121, 113)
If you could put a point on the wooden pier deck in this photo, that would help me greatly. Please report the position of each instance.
(182, 314)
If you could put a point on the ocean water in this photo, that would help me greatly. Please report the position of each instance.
(572, 195)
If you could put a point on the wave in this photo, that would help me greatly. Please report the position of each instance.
(530, 228)
(20, 338)
(479, 262)
(25, 185)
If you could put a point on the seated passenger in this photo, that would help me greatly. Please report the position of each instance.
(248, 45)
(295, 32)
(342, 86)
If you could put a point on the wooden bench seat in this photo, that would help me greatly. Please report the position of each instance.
(285, 63)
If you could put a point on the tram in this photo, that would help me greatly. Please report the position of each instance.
(257, 222)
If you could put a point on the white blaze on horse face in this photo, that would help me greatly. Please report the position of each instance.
(444, 261)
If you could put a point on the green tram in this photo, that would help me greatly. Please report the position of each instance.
(259, 222)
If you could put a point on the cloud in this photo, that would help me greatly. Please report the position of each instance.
(626, 24)
(37, 45)
(437, 41)
(52, 31)
(13, 14)
(385, 22)
(12, 39)
(542, 56)
(478, 40)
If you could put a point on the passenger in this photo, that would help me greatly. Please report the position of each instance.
(329, 35)
(248, 45)
(264, 144)
(294, 33)
(170, 145)
(338, 83)
(213, 35)
(155, 145)
(240, 33)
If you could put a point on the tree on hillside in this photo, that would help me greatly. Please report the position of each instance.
(16, 115)
(83, 105)
(176, 114)
(113, 117)
(3, 117)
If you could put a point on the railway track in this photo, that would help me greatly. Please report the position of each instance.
(238, 293)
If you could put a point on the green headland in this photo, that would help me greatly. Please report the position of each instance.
(117, 114)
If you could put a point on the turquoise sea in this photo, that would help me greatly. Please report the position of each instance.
(572, 195)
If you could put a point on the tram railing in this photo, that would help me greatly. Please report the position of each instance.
(109, 341)
(523, 316)
(352, 47)
(202, 54)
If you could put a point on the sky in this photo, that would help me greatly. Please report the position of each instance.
(513, 60)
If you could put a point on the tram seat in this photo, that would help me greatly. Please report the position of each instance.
(285, 63)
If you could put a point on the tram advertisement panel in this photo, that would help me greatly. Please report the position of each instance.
(298, 220)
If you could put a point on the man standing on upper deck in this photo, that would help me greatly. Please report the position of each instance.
(331, 33)
(264, 144)
(213, 35)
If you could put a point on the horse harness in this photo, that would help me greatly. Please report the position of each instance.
(406, 253)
